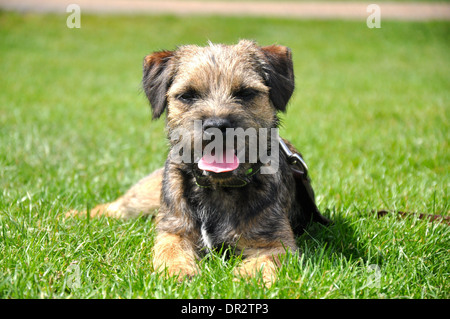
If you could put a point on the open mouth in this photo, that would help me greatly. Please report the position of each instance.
(219, 162)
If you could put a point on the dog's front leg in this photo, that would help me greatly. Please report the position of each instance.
(176, 254)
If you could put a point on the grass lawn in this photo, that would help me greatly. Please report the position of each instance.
(370, 113)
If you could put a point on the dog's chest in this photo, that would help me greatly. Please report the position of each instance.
(217, 227)
(208, 238)
(221, 216)
(216, 232)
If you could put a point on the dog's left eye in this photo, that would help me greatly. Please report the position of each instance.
(245, 94)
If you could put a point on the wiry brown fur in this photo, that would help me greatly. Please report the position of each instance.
(246, 85)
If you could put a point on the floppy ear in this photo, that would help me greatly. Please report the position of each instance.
(280, 74)
(156, 80)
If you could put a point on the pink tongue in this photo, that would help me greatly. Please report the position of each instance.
(216, 164)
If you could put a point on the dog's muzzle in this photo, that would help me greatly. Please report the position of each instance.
(223, 159)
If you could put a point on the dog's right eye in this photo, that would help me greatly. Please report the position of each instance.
(188, 97)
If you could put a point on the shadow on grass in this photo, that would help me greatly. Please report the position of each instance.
(339, 240)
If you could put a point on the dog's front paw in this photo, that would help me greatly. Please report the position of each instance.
(174, 255)
(264, 265)
(181, 271)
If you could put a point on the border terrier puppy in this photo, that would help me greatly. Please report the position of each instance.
(223, 197)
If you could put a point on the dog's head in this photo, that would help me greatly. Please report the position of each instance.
(214, 89)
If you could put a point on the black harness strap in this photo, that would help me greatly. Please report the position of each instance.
(305, 193)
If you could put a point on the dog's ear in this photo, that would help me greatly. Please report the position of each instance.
(156, 80)
(280, 74)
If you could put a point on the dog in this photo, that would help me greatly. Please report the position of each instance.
(206, 202)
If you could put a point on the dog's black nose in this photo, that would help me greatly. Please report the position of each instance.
(216, 122)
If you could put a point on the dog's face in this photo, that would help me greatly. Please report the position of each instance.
(217, 88)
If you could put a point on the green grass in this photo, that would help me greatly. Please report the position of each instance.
(370, 113)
